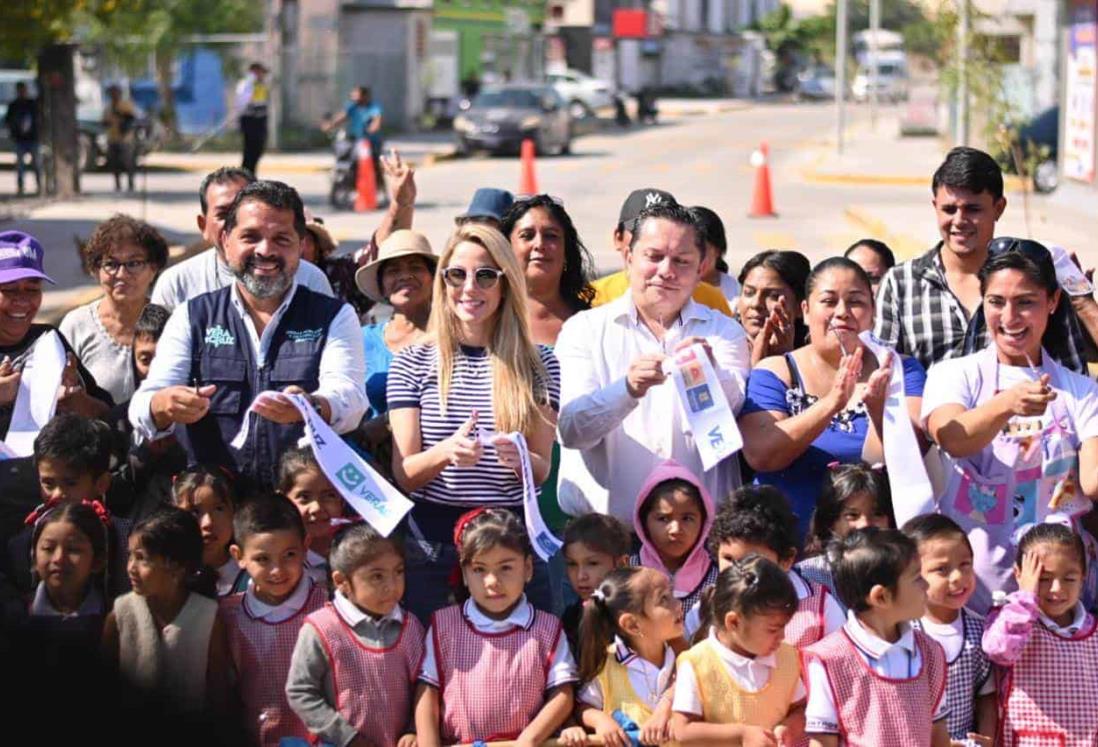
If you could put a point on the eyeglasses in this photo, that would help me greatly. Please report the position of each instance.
(1031, 249)
(484, 277)
(133, 266)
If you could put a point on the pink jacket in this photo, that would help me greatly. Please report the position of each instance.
(692, 572)
(1008, 628)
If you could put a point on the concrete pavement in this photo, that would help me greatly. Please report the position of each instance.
(880, 188)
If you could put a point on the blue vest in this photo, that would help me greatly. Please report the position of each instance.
(222, 355)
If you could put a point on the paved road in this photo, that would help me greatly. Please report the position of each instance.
(700, 159)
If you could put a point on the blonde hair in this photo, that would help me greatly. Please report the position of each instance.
(519, 379)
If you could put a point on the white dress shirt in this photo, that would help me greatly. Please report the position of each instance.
(603, 428)
(205, 272)
(342, 364)
(561, 672)
(899, 660)
(750, 674)
(277, 613)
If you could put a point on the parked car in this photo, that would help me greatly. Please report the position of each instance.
(816, 83)
(891, 82)
(1038, 137)
(586, 96)
(500, 117)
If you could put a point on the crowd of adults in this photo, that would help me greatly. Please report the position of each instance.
(425, 357)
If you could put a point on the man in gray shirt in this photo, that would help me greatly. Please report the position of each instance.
(207, 271)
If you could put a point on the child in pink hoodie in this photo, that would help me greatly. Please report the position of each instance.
(673, 515)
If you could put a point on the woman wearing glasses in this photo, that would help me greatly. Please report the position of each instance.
(125, 255)
(452, 398)
(1020, 428)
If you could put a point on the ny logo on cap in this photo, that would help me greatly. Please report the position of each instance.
(652, 198)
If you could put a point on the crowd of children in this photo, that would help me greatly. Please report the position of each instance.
(708, 624)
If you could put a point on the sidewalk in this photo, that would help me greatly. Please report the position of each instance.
(880, 158)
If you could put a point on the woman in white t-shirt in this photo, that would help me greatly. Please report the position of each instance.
(1021, 430)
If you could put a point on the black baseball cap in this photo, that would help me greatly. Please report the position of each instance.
(639, 199)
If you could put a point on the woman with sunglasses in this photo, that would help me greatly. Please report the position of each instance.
(452, 399)
(124, 255)
(1021, 430)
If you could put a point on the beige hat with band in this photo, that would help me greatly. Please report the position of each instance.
(400, 243)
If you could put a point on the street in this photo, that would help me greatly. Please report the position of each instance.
(880, 188)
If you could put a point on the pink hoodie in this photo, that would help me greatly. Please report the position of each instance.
(694, 569)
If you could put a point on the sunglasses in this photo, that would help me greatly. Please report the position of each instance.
(484, 277)
(1031, 249)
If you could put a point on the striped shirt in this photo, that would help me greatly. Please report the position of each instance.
(413, 383)
(919, 315)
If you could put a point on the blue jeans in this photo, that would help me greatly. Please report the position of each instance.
(427, 569)
(25, 150)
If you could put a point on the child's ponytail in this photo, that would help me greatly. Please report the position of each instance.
(615, 596)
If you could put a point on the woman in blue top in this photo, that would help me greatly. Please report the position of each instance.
(401, 276)
(823, 402)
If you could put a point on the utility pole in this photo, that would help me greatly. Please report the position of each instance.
(273, 28)
(960, 135)
(840, 74)
(874, 31)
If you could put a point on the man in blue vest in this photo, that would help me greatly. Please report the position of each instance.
(265, 332)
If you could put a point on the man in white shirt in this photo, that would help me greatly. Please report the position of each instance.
(618, 418)
(207, 271)
(264, 332)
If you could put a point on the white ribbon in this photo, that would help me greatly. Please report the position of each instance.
(545, 543)
(36, 401)
(912, 494)
(367, 492)
(708, 415)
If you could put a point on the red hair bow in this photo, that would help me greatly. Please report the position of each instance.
(40, 511)
(100, 511)
(463, 521)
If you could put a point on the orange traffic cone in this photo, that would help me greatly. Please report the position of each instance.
(366, 179)
(762, 201)
(528, 183)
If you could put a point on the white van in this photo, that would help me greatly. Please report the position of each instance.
(891, 83)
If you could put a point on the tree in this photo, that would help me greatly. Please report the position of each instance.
(138, 29)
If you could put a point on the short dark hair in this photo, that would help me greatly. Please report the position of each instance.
(866, 558)
(969, 169)
(792, 267)
(278, 195)
(223, 175)
(356, 545)
(150, 323)
(80, 443)
(123, 229)
(759, 514)
(174, 535)
(712, 228)
(204, 476)
(267, 513)
(293, 462)
(1052, 534)
(600, 532)
(673, 212)
(928, 527)
(888, 259)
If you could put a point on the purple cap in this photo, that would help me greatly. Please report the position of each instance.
(20, 257)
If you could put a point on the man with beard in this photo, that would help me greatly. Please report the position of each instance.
(264, 332)
(207, 271)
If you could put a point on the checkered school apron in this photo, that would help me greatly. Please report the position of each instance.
(967, 674)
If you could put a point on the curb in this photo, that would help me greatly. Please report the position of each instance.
(904, 246)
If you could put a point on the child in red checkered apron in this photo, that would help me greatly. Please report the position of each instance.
(742, 684)
(1047, 645)
(627, 664)
(263, 622)
(877, 682)
(946, 558)
(758, 519)
(495, 668)
(301, 479)
(356, 660)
